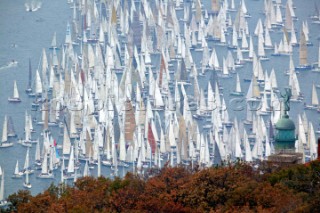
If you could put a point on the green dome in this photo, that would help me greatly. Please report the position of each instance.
(285, 123)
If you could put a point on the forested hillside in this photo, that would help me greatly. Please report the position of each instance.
(233, 188)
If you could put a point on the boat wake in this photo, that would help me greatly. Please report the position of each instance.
(10, 64)
(33, 5)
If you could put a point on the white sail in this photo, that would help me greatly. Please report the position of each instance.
(16, 170)
(158, 101)
(5, 130)
(273, 80)
(238, 86)
(37, 153)
(68, 34)
(314, 96)
(234, 37)
(278, 15)
(293, 40)
(303, 49)
(86, 171)
(26, 162)
(251, 50)
(38, 84)
(248, 154)
(2, 187)
(261, 52)
(302, 132)
(244, 42)
(312, 142)
(319, 57)
(44, 166)
(66, 142)
(27, 181)
(54, 40)
(267, 39)
(244, 7)
(122, 145)
(15, 90)
(225, 70)
(71, 161)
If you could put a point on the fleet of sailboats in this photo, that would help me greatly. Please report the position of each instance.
(118, 88)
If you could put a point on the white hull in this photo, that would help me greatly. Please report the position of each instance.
(106, 163)
(27, 185)
(46, 176)
(311, 107)
(14, 100)
(68, 177)
(16, 176)
(6, 144)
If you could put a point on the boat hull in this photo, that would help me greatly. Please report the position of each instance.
(46, 176)
(14, 100)
(27, 185)
(303, 68)
(237, 93)
(6, 145)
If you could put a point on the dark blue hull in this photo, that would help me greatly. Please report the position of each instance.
(303, 67)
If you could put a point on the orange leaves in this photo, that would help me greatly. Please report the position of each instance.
(237, 188)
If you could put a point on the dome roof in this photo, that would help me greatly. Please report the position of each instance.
(285, 123)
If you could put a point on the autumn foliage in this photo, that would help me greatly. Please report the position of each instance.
(233, 188)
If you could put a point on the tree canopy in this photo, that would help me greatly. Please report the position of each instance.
(232, 188)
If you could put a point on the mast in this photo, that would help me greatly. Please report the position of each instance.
(27, 182)
(30, 76)
(26, 163)
(238, 87)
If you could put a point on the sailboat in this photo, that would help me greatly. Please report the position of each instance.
(33, 5)
(314, 99)
(26, 167)
(4, 140)
(17, 173)
(28, 6)
(71, 167)
(295, 87)
(234, 43)
(261, 51)
(225, 71)
(237, 91)
(27, 183)
(15, 98)
(29, 88)
(11, 131)
(291, 66)
(303, 54)
(27, 131)
(3, 202)
(45, 172)
(54, 42)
